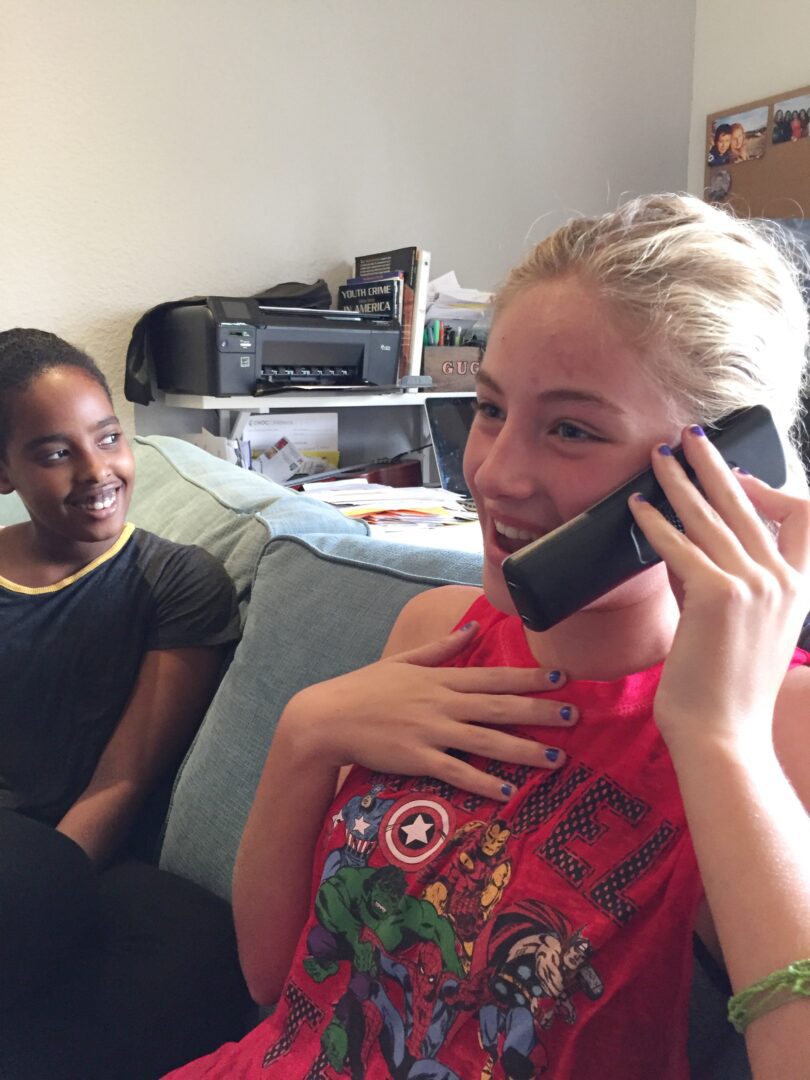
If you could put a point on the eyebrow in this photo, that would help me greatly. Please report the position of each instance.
(58, 436)
(559, 395)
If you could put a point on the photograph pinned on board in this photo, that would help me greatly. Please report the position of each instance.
(790, 119)
(719, 187)
(738, 137)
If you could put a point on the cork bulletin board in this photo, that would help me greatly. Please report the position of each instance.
(758, 156)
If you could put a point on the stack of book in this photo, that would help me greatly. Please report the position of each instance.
(393, 285)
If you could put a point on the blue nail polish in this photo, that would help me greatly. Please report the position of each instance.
(742, 471)
(554, 676)
(664, 450)
(640, 498)
(466, 626)
(506, 789)
(565, 712)
(696, 429)
(552, 754)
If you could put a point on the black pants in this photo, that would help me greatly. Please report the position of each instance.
(123, 974)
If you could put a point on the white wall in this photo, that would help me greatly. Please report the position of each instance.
(744, 50)
(152, 149)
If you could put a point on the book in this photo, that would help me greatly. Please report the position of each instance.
(413, 264)
(420, 298)
(381, 263)
(387, 297)
(395, 275)
(407, 331)
(381, 298)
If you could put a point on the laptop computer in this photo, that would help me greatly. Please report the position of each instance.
(449, 420)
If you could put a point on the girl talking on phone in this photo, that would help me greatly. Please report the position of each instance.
(508, 881)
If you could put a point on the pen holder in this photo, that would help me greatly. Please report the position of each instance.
(452, 367)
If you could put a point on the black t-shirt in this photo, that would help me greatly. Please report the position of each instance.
(70, 655)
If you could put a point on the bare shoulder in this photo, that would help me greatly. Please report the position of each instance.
(791, 729)
(429, 616)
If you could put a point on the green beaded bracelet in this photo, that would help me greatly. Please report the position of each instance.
(769, 993)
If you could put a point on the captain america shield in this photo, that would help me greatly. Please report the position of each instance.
(415, 830)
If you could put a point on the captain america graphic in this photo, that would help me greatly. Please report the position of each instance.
(362, 816)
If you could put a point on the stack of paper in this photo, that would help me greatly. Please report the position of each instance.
(449, 302)
(380, 504)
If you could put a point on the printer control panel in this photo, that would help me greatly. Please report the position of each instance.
(237, 337)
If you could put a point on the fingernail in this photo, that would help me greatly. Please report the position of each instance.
(552, 754)
(640, 498)
(565, 712)
(506, 789)
(696, 429)
(741, 470)
(466, 626)
(664, 450)
(554, 676)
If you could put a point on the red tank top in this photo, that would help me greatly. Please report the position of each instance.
(454, 938)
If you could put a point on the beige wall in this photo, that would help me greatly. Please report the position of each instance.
(744, 50)
(152, 149)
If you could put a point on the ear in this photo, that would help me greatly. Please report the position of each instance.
(6, 486)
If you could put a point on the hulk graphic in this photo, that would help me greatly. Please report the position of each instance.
(349, 905)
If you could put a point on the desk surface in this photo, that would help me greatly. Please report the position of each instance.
(463, 536)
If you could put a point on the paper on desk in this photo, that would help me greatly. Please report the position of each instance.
(313, 433)
(356, 497)
(464, 536)
(283, 460)
(234, 450)
(358, 491)
(447, 286)
(449, 302)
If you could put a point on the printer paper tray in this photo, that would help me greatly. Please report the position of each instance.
(280, 388)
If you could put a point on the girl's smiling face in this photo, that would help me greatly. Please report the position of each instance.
(564, 416)
(67, 458)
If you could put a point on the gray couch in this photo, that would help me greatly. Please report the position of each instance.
(318, 597)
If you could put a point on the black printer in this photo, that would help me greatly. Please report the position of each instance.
(224, 345)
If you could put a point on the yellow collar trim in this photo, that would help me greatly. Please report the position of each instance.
(37, 590)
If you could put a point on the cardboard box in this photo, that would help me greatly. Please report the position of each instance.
(452, 367)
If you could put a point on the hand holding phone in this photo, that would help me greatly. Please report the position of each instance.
(600, 548)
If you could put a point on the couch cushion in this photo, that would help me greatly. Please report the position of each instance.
(186, 494)
(321, 606)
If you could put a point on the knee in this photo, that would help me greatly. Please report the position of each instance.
(41, 864)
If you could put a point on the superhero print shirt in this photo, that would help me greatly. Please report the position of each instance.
(454, 938)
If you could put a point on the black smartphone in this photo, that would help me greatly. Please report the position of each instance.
(572, 566)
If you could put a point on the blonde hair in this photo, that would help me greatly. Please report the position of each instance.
(742, 153)
(714, 302)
